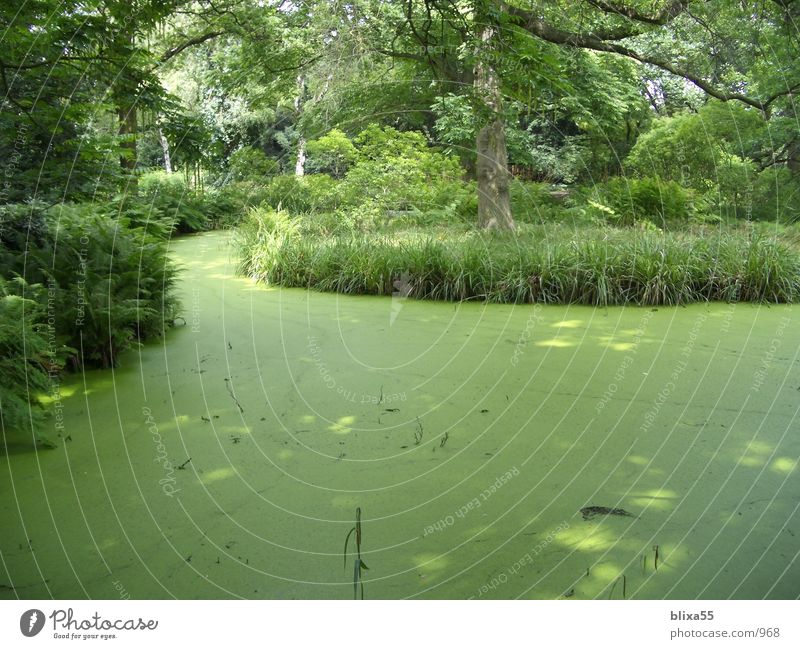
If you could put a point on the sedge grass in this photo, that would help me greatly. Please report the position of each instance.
(594, 266)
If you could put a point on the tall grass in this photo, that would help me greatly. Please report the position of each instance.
(596, 266)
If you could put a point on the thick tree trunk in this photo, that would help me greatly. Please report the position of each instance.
(494, 201)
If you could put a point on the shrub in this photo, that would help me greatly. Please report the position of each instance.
(332, 154)
(398, 172)
(533, 202)
(679, 149)
(165, 202)
(775, 197)
(298, 195)
(683, 149)
(252, 164)
(72, 278)
(627, 201)
(387, 171)
(110, 284)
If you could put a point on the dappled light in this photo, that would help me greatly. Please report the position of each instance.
(556, 342)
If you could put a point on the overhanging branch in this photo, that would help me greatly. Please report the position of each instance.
(197, 40)
(591, 41)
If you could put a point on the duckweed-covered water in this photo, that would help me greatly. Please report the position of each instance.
(228, 461)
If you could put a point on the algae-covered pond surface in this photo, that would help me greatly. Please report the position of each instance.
(229, 459)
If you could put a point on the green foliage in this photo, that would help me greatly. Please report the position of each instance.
(166, 203)
(679, 149)
(391, 175)
(775, 197)
(333, 153)
(397, 171)
(587, 266)
(628, 201)
(310, 193)
(22, 225)
(683, 150)
(26, 358)
(251, 164)
(534, 203)
(69, 69)
(109, 283)
(532, 141)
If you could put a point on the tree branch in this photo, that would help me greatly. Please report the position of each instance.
(197, 40)
(538, 27)
(669, 11)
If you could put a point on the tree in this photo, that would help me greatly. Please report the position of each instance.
(492, 56)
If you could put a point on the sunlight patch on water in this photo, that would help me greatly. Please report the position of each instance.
(568, 324)
(430, 562)
(555, 342)
(342, 426)
(217, 474)
(655, 499)
(784, 465)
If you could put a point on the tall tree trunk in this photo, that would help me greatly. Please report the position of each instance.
(300, 164)
(299, 101)
(491, 169)
(165, 149)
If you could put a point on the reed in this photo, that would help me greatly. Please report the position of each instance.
(594, 266)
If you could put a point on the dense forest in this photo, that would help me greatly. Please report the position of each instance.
(593, 152)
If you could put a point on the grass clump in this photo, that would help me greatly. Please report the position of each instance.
(552, 264)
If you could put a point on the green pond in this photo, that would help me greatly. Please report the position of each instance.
(228, 460)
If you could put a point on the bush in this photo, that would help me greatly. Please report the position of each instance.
(299, 195)
(251, 164)
(164, 203)
(397, 171)
(683, 150)
(533, 202)
(331, 154)
(627, 201)
(775, 197)
(109, 283)
(72, 278)
(679, 149)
